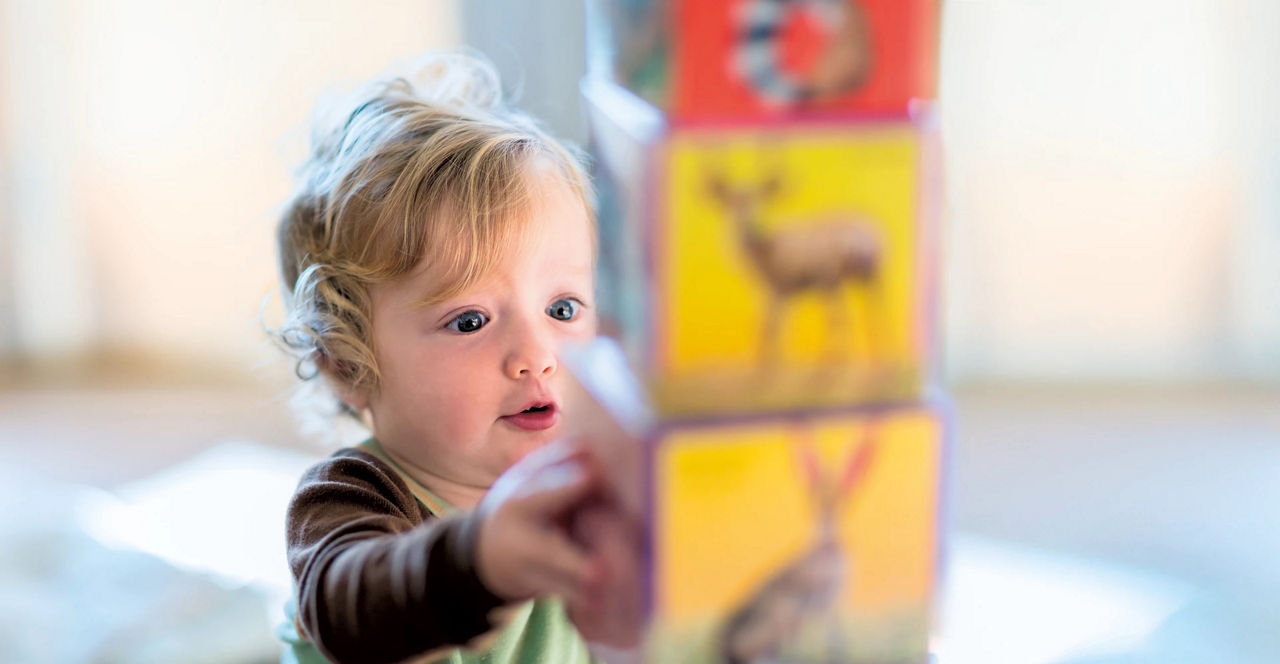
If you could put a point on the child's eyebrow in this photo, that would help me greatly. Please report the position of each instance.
(429, 301)
(446, 298)
(433, 299)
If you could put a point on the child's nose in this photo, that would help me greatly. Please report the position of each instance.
(532, 354)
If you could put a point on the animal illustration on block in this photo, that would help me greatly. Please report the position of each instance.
(794, 538)
(804, 593)
(842, 65)
(820, 255)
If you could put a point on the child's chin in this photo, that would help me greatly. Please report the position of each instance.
(528, 443)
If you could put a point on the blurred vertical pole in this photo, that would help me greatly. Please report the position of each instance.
(1248, 32)
(958, 309)
(49, 295)
(538, 49)
(8, 322)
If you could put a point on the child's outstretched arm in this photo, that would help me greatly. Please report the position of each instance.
(379, 580)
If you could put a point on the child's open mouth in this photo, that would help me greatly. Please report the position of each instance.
(536, 417)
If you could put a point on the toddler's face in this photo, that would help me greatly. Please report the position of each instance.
(459, 379)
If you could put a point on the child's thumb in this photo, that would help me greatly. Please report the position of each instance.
(558, 487)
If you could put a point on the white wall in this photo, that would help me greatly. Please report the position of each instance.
(1113, 169)
(1112, 209)
(164, 135)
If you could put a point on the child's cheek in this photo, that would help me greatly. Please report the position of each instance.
(590, 326)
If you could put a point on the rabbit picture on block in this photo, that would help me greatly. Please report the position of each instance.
(809, 540)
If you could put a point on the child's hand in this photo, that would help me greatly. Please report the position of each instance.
(522, 547)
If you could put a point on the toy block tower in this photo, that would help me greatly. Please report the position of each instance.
(769, 178)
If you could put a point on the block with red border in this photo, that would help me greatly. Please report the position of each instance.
(768, 60)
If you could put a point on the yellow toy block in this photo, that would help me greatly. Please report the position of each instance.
(797, 539)
(767, 269)
(788, 272)
(809, 537)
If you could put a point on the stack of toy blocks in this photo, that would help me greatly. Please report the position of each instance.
(768, 214)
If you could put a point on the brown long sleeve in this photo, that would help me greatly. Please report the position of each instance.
(378, 578)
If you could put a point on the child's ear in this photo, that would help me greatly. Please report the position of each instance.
(356, 398)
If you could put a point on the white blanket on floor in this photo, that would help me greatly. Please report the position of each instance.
(186, 566)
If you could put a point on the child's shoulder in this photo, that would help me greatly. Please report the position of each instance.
(349, 464)
(356, 479)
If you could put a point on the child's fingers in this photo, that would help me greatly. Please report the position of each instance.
(554, 489)
(557, 451)
(546, 468)
(567, 568)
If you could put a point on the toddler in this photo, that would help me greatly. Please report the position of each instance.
(439, 248)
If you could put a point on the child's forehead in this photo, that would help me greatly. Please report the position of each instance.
(556, 245)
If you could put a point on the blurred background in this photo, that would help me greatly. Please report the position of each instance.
(1110, 301)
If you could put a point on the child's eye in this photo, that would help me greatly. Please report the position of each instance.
(563, 309)
(468, 322)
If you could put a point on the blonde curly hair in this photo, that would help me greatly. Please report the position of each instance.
(430, 165)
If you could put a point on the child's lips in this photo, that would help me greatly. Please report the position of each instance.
(534, 420)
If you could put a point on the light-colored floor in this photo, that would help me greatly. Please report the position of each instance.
(1180, 484)
(113, 433)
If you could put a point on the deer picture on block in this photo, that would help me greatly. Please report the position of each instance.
(804, 256)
